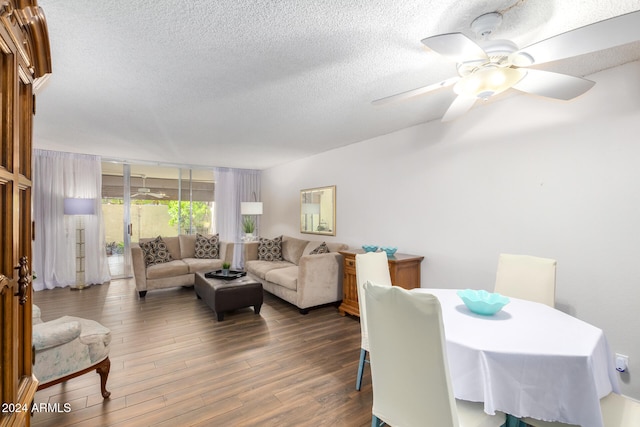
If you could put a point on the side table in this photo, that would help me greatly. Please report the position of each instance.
(404, 270)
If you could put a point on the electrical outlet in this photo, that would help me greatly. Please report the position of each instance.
(622, 362)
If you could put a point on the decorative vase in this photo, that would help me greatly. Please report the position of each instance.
(225, 271)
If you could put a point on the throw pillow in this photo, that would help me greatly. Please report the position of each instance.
(322, 249)
(207, 247)
(293, 248)
(155, 252)
(270, 250)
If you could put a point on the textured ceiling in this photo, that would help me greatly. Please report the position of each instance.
(256, 83)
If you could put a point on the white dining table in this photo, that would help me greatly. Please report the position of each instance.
(527, 360)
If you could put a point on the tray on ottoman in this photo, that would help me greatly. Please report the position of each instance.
(232, 274)
(228, 295)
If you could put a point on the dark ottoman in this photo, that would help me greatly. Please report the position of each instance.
(228, 295)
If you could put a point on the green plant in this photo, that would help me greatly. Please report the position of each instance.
(248, 225)
(226, 265)
(114, 248)
(200, 210)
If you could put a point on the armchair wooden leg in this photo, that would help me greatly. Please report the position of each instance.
(103, 369)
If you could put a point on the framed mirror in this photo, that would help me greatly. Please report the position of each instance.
(318, 210)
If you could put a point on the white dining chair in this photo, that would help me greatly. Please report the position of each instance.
(617, 411)
(527, 277)
(370, 266)
(409, 367)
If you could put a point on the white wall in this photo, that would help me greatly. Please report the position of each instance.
(525, 175)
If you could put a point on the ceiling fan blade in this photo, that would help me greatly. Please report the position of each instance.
(415, 92)
(600, 35)
(458, 107)
(553, 85)
(456, 46)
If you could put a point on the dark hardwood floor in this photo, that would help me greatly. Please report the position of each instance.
(173, 364)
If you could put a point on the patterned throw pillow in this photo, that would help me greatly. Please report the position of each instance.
(270, 250)
(155, 251)
(207, 247)
(322, 249)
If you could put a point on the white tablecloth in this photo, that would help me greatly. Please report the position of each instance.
(527, 360)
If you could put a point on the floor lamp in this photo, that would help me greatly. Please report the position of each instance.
(79, 208)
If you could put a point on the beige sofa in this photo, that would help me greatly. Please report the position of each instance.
(301, 278)
(181, 270)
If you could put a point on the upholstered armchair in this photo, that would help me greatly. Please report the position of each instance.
(68, 347)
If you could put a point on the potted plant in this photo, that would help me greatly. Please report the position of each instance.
(248, 226)
(225, 268)
(111, 248)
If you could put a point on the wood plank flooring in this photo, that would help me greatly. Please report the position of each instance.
(173, 364)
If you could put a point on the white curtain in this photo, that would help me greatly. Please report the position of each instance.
(234, 186)
(56, 176)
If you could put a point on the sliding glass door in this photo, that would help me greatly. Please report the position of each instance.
(115, 221)
(145, 201)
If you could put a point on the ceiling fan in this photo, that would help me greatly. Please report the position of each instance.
(489, 67)
(144, 191)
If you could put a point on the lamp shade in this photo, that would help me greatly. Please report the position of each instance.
(251, 208)
(77, 206)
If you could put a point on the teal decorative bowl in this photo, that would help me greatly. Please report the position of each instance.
(483, 302)
(389, 250)
(369, 248)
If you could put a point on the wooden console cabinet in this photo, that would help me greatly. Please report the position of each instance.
(404, 269)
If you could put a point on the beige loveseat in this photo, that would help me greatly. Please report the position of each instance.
(300, 277)
(180, 271)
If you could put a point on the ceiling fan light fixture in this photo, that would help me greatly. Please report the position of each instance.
(487, 82)
(487, 67)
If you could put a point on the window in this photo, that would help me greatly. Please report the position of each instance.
(142, 201)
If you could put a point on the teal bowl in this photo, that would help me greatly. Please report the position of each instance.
(369, 248)
(389, 250)
(483, 302)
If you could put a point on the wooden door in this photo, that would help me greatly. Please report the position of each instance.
(24, 57)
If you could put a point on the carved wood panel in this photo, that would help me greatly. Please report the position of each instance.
(24, 57)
